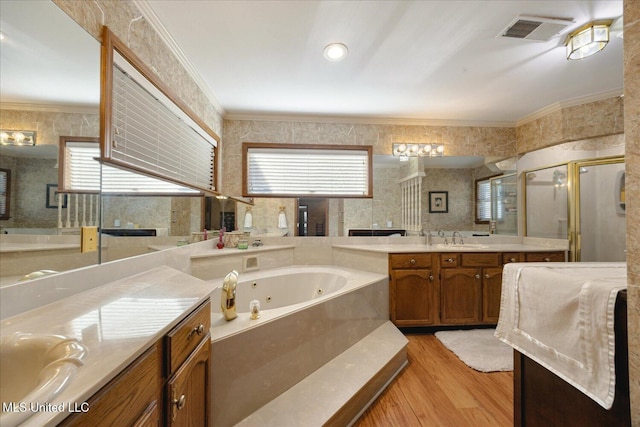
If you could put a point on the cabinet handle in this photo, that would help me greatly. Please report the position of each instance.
(512, 260)
(431, 277)
(477, 276)
(547, 259)
(180, 402)
(198, 330)
(487, 276)
(413, 261)
(450, 260)
(177, 404)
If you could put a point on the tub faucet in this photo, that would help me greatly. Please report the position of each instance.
(441, 234)
(453, 238)
(228, 295)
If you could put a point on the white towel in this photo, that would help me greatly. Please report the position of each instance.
(561, 315)
(282, 220)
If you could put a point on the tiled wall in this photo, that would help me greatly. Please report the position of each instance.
(632, 158)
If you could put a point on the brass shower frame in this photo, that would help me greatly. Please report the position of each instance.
(573, 198)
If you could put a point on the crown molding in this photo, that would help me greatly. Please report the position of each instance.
(310, 118)
(555, 107)
(51, 108)
(165, 36)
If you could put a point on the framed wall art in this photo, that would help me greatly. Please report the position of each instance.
(438, 201)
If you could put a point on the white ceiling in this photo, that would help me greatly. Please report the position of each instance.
(425, 61)
(419, 60)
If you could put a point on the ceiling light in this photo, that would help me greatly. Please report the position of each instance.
(587, 40)
(404, 151)
(17, 137)
(335, 52)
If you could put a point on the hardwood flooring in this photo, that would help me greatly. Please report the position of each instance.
(437, 389)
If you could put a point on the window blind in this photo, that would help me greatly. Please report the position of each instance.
(150, 133)
(483, 200)
(82, 173)
(307, 171)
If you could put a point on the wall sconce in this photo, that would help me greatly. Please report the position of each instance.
(587, 40)
(405, 150)
(17, 137)
(248, 219)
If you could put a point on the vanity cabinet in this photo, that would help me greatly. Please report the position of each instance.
(167, 385)
(413, 289)
(452, 288)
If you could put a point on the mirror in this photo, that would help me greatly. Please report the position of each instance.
(453, 174)
(52, 49)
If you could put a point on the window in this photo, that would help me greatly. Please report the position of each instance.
(81, 173)
(483, 200)
(289, 170)
(5, 193)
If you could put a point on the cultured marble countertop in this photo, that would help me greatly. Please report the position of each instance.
(32, 247)
(472, 247)
(235, 251)
(116, 321)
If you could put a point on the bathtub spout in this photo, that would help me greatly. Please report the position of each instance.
(228, 295)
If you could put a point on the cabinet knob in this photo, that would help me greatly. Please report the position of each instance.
(450, 260)
(413, 261)
(198, 330)
(431, 277)
(477, 276)
(180, 401)
(547, 259)
(487, 276)
(512, 259)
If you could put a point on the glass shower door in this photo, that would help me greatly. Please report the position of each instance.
(547, 202)
(601, 219)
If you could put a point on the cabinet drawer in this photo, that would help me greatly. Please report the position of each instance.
(510, 257)
(449, 260)
(482, 259)
(544, 257)
(186, 336)
(409, 260)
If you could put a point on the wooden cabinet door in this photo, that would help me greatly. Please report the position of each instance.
(413, 297)
(460, 295)
(491, 289)
(188, 390)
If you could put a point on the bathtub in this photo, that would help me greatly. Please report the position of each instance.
(309, 315)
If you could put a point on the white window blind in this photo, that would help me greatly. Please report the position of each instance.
(307, 171)
(150, 133)
(82, 173)
(483, 200)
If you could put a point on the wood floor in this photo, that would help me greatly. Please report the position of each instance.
(437, 389)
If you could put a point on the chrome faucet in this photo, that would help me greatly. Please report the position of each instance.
(228, 295)
(453, 238)
(429, 240)
(441, 234)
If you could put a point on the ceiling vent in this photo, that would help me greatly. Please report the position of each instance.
(535, 28)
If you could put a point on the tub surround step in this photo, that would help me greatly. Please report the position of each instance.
(341, 390)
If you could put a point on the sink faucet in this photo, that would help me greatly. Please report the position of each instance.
(453, 239)
(441, 234)
(228, 295)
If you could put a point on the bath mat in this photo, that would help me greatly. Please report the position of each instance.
(478, 349)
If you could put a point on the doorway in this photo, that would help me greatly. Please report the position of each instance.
(311, 216)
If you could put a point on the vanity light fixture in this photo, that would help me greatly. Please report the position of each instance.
(588, 39)
(406, 150)
(335, 52)
(17, 137)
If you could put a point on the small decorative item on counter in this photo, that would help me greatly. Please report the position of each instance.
(182, 243)
(254, 309)
(220, 243)
(243, 244)
(197, 236)
(257, 242)
(205, 233)
(231, 238)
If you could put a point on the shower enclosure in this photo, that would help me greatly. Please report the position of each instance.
(583, 201)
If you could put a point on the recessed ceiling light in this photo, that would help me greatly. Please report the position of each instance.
(335, 52)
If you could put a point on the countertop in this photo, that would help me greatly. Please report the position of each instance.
(116, 321)
(472, 247)
(32, 247)
(235, 251)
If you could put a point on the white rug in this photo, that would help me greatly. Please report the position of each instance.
(479, 349)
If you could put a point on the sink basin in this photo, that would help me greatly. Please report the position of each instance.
(35, 368)
(457, 246)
